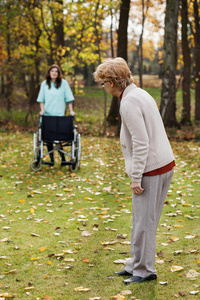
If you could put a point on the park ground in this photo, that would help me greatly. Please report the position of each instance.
(64, 234)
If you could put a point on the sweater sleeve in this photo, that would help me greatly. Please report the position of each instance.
(135, 123)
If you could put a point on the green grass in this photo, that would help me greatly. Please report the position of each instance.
(58, 207)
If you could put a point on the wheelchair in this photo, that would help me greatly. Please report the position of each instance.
(60, 132)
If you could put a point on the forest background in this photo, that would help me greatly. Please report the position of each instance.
(159, 39)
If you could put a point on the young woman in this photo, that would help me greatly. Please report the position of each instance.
(54, 94)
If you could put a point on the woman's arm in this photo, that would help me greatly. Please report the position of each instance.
(41, 108)
(72, 113)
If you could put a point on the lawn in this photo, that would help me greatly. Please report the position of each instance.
(63, 234)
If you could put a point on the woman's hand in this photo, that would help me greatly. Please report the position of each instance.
(72, 113)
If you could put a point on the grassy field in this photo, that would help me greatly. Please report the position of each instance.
(63, 234)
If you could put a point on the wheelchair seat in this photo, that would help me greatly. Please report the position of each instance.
(57, 128)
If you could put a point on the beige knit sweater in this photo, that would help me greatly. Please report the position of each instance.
(144, 142)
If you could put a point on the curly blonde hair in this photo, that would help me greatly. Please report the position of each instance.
(115, 70)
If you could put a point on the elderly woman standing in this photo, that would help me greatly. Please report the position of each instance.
(54, 94)
(149, 163)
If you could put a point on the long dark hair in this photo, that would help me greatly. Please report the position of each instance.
(58, 79)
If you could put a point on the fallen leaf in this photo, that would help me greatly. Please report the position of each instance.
(29, 288)
(42, 249)
(194, 292)
(4, 240)
(118, 297)
(86, 260)
(121, 261)
(32, 210)
(176, 268)
(192, 274)
(160, 261)
(81, 289)
(126, 292)
(35, 234)
(173, 239)
(11, 271)
(86, 233)
(191, 236)
(182, 294)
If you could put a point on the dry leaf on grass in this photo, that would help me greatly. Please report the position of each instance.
(176, 269)
(86, 233)
(118, 297)
(194, 292)
(86, 260)
(121, 261)
(126, 292)
(11, 271)
(82, 289)
(160, 261)
(191, 236)
(192, 274)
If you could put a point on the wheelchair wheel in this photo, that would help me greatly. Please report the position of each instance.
(35, 165)
(77, 162)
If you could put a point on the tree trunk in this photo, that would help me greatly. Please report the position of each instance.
(111, 34)
(9, 77)
(197, 60)
(168, 94)
(59, 32)
(186, 65)
(113, 116)
(2, 85)
(140, 46)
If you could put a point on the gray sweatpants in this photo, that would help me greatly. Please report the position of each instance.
(147, 209)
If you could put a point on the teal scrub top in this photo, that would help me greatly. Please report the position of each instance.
(55, 99)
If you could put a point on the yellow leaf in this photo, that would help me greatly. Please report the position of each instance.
(32, 210)
(42, 249)
(118, 297)
(22, 201)
(178, 226)
(35, 258)
(29, 288)
(46, 276)
(49, 262)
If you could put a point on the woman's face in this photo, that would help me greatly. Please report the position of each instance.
(54, 73)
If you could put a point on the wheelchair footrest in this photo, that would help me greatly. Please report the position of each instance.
(65, 163)
(50, 163)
